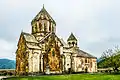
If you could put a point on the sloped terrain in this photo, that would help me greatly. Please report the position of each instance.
(7, 64)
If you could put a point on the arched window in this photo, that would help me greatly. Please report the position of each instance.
(50, 27)
(44, 27)
(69, 43)
(35, 28)
(73, 43)
(76, 43)
(40, 26)
(67, 64)
(85, 60)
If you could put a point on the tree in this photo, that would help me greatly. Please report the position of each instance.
(111, 58)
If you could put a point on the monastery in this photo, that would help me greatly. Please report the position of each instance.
(42, 51)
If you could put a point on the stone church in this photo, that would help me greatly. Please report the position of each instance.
(42, 51)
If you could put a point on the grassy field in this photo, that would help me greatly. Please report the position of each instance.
(70, 77)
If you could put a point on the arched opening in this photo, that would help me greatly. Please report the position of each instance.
(40, 26)
(69, 43)
(76, 44)
(36, 27)
(85, 60)
(44, 27)
(73, 43)
(50, 28)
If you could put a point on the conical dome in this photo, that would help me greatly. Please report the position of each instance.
(43, 14)
(71, 37)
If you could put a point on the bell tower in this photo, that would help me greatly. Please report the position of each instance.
(72, 41)
(43, 24)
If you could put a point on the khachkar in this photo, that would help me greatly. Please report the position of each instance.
(40, 50)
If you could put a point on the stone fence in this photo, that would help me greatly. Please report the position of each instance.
(4, 72)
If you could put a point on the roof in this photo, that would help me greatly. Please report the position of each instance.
(31, 41)
(29, 38)
(71, 37)
(82, 53)
(45, 37)
(52, 33)
(32, 46)
(63, 42)
(45, 15)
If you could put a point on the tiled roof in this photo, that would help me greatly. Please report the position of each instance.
(29, 38)
(63, 42)
(33, 45)
(45, 14)
(82, 53)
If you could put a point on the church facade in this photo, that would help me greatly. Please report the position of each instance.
(43, 51)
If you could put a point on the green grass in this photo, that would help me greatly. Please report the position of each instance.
(71, 77)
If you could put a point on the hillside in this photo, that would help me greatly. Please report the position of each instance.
(7, 64)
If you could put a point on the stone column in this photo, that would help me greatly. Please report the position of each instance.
(42, 27)
(38, 29)
(41, 63)
(48, 26)
(51, 26)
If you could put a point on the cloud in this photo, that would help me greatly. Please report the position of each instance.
(94, 22)
(7, 49)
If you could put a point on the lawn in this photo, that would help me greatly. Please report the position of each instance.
(71, 77)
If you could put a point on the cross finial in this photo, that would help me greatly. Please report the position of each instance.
(43, 6)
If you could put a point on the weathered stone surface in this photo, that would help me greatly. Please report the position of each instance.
(42, 50)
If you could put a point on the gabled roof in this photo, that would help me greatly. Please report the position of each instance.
(71, 37)
(63, 42)
(52, 33)
(82, 53)
(78, 52)
(45, 15)
(32, 45)
(31, 41)
(29, 38)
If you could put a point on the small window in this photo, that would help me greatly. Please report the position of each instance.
(76, 44)
(67, 64)
(40, 26)
(45, 27)
(50, 28)
(36, 26)
(86, 60)
(73, 43)
(69, 43)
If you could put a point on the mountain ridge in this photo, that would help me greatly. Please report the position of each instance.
(7, 63)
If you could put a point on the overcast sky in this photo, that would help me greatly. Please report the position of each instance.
(95, 23)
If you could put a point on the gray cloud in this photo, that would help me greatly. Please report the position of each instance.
(94, 22)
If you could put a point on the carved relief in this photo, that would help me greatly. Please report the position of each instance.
(52, 55)
(53, 60)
